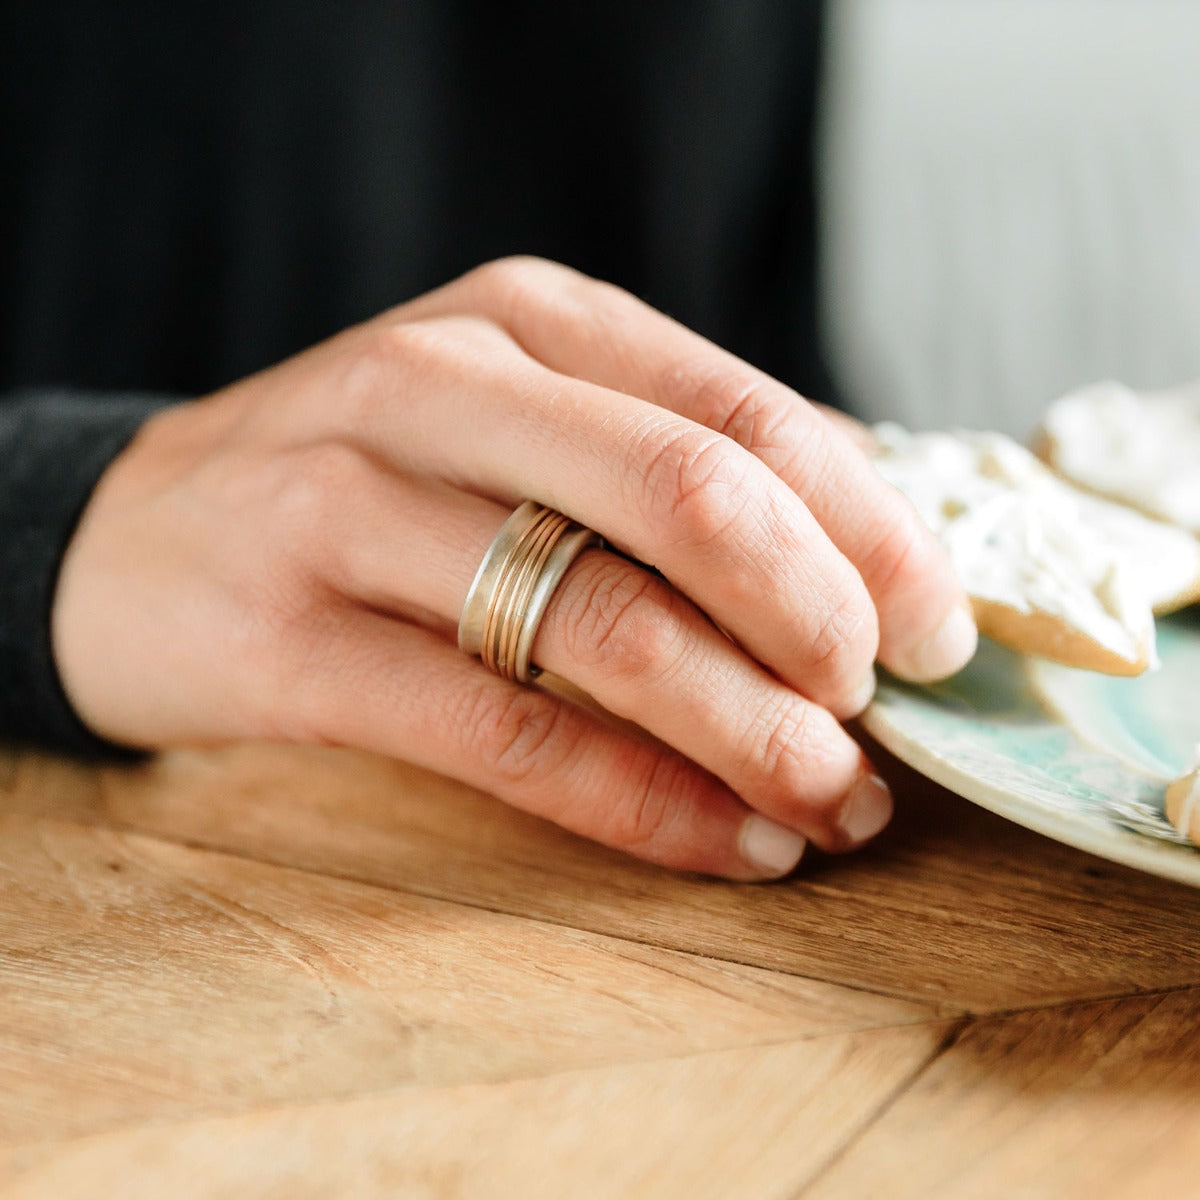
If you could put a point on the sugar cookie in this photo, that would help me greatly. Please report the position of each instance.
(1164, 559)
(1044, 577)
(1142, 448)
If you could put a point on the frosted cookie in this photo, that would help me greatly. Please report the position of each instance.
(1043, 578)
(1183, 802)
(1164, 559)
(1142, 448)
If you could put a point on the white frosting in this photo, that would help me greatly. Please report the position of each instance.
(1016, 535)
(1139, 447)
(1164, 559)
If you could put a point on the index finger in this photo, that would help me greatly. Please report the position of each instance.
(594, 331)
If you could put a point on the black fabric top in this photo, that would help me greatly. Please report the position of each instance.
(192, 192)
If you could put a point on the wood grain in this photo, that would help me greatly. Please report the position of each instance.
(750, 1124)
(362, 980)
(1099, 1100)
(143, 980)
(928, 913)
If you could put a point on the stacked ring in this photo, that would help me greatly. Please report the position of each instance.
(512, 588)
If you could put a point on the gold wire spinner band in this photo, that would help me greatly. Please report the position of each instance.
(512, 588)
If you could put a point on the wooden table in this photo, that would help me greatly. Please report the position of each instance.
(293, 973)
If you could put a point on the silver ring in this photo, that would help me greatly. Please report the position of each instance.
(514, 583)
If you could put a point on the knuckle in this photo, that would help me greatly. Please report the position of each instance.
(388, 354)
(783, 748)
(750, 409)
(756, 418)
(652, 807)
(793, 747)
(510, 269)
(520, 734)
(903, 552)
(846, 639)
(522, 290)
(396, 360)
(410, 343)
(699, 388)
(810, 462)
(396, 350)
(516, 282)
(613, 312)
(617, 620)
(695, 484)
(315, 482)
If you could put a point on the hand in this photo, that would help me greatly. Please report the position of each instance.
(288, 559)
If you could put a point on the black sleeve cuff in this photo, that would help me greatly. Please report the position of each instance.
(54, 446)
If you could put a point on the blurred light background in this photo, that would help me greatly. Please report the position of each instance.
(1012, 203)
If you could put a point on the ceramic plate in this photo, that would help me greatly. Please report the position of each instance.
(1080, 757)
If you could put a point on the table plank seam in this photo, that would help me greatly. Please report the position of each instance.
(956, 1031)
(1066, 1003)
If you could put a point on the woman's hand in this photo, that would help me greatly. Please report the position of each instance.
(289, 558)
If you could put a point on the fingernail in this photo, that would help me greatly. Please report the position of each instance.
(863, 695)
(948, 649)
(770, 848)
(868, 809)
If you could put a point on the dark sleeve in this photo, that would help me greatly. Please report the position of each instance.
(54, 446)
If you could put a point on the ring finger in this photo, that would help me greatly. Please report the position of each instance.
(633, 643)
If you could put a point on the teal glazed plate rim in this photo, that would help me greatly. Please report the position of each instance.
(1080, 757)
